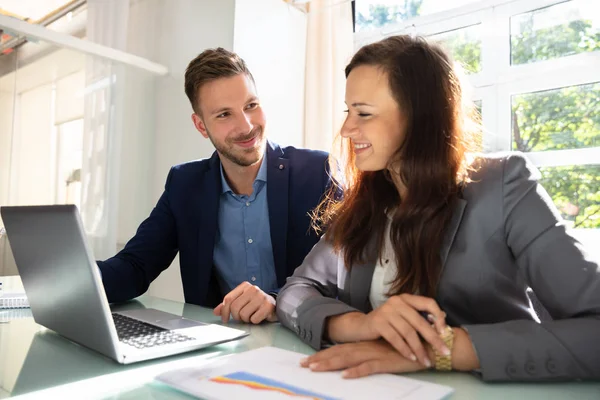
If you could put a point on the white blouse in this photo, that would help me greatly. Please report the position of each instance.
(384, 273)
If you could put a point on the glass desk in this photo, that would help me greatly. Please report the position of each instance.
(38, 363)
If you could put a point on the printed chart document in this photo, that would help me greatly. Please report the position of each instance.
(272, 373)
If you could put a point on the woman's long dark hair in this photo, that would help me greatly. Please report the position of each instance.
(431, 163)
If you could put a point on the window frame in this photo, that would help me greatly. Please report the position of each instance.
(498, 79)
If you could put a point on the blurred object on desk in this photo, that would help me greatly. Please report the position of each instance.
(8, 267)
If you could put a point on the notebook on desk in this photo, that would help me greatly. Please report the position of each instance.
(12, 294)
(65, 292)
(13, 300)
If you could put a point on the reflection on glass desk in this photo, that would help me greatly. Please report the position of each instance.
(38, 363)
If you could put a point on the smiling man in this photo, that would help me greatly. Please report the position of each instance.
(240, 219)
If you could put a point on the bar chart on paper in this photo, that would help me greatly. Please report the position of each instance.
(260, 383)
(271, 373)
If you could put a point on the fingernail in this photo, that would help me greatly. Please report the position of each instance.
(427, 363)
(431, 318)
(413, 357)
(445, 351)
(345, 374)
(304, 361)
(313, 365)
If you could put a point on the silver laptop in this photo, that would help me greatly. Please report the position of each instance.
(65, 292)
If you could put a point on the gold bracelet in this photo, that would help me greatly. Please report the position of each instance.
(443, 362)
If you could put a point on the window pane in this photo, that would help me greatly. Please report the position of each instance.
(372, 14)
(576, 193)
(558, 119)
(465, 46)
(556, 31)
(479, 106)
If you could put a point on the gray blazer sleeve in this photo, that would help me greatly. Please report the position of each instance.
(310, 296)
(564, 278)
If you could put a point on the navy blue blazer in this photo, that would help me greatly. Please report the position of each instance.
(185, 220)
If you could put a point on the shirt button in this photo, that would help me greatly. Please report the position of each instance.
(253, 279)
(551, 366)
(530, 368)
(247, 204)
(250, 240)
(511, 370)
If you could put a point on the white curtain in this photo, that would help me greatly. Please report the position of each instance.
(103, 121)
(329, 48)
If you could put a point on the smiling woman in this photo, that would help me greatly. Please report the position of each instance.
(375, 122)
(429, 258)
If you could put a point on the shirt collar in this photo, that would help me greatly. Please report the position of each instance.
(260, 176)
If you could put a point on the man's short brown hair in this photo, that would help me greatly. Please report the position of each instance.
(209, 65)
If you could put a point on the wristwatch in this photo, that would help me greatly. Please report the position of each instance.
(443, 362)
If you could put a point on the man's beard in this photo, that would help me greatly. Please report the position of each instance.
(228, 150)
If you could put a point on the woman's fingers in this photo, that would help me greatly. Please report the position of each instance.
(328, 354)
(395, 337)
(434, 313)
(426, 330)
(410, 336)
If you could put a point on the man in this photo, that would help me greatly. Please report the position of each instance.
(240, 220)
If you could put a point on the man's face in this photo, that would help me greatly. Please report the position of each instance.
(230, 116)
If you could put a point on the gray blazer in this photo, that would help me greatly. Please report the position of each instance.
(506, 237)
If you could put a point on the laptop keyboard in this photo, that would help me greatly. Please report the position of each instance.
(142, 335)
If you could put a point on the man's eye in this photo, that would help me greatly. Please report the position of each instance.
(252, 105)
(223, 115)
(364, 115)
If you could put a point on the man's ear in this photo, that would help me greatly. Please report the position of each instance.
(199, 124)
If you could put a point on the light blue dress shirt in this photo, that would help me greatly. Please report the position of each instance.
(243, 250)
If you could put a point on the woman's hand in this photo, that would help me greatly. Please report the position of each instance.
(361, 359)
(378, 357)
(399, 321)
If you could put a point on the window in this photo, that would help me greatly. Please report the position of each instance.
(372, 14)
(557, 119)
(556, 31)
(464, 44)
(534, 64)
(575, 190)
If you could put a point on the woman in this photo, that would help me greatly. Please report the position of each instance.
(428, 259)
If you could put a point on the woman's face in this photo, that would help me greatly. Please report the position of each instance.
(375, 123)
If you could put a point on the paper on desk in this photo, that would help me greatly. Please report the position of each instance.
(272, 373)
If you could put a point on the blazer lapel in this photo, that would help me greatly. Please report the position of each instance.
(277, 197)
(459, 210)
(208, 204)
(361, 276)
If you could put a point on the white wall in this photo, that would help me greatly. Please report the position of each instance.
(270, 36)
(7, 85)
(32, 148)
(6, 117)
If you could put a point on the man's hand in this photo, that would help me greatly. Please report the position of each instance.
(247, 303)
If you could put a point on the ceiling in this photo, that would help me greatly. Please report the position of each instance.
(32, 10)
